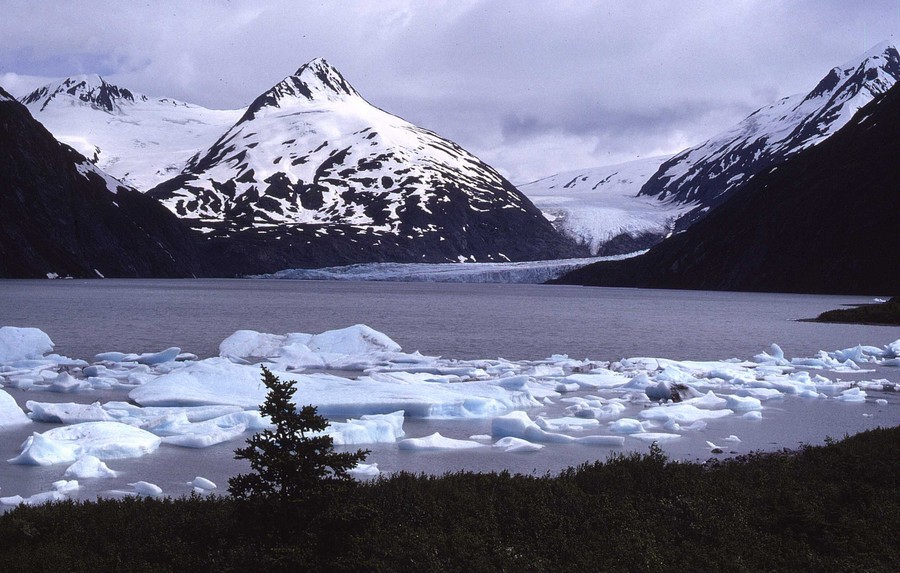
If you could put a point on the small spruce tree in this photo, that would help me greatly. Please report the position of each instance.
(288, 463)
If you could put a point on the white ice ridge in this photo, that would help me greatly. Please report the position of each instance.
(528, 272)
(177, 399)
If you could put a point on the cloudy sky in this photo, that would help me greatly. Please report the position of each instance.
(532, 87)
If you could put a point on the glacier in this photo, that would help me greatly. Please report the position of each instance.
(528, 272)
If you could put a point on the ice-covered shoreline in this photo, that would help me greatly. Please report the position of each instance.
(175, 399)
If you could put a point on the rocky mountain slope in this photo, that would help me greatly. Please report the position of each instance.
(827, 220)
(314, 175)
(60, 215)
(706, 173)
(138, 139)
(592, 206)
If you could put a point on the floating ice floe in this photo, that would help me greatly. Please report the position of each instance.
(177, 399)
(370, 429)
(519, 425)
(352, 348)
(364, 471)
(217, 381)
(36, 499)
(89, 466)
(105, 440)
(201, 484)
(437, 442)
(10, 413)
(511, 444)
(146, 489)
(18, 344)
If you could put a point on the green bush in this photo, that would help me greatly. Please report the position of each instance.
(826, 508)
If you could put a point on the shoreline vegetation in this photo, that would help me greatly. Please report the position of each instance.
(834, 507)
(880, 314)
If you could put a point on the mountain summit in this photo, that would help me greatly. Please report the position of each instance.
(90, 90)
(315, 164)
(623, 208)
(317, 80)
(707, 173)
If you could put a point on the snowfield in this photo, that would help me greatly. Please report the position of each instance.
(138, 139)
(371, 388)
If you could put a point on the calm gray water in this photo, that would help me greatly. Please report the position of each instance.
(465, 321)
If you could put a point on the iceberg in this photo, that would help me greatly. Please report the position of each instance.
(370, 429)
(10, 413)
(23, 344)
(89, 466)
(104, 440)
(202, 484)
(210, 382)
(519, 425)
(146, 489)
(437, 442)
(511, 444)
(682, 413)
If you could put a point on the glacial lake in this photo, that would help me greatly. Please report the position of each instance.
(461, 321)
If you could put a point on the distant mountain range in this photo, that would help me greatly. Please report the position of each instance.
(636, 205)
(826, 220)
(62, 216)
(309, 175)
(312, 175)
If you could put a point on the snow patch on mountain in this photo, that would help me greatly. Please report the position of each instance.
(138, 139)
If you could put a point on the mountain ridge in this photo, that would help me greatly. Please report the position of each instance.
(687, 185)
(825, 220)
(139, 139)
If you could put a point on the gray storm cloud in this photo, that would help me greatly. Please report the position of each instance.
(531, 87)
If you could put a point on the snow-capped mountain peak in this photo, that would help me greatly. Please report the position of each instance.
(312, 158)
(594, 205)
(91, 90)
(139, 139)
(323, 80)
(705, 175)
(316, 81)
(872, 73)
